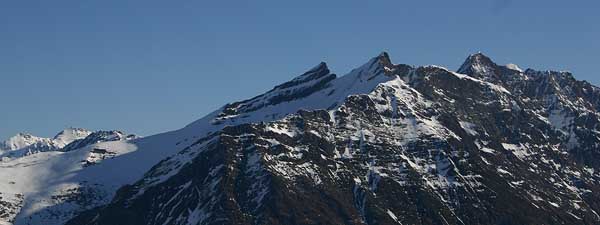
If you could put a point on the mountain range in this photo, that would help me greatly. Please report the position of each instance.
(384, 144)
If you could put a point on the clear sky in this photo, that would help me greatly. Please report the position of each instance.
(151, 66)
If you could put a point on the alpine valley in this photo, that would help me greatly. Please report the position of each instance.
(384, 144)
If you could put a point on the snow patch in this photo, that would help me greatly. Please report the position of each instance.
(514, 67)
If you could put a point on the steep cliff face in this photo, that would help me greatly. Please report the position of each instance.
(385, 144)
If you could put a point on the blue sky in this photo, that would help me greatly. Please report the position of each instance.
(152, 66)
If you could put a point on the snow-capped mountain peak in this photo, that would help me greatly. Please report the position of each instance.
(480, 66)
(61, 139)
(21, 140)
(69, 135)
(317, 88)
(24, 144)
(97, 137)
(31, 143)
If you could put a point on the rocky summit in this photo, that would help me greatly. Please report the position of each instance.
(384, 144)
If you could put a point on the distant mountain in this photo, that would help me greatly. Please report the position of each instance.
(97, 137)
(24, 143)
(384, 144)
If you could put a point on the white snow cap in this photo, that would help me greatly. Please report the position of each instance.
(18, 141)
(23, 140)
(70, 134)
(514, 67)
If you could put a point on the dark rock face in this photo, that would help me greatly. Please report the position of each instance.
(304, 85)
(429, 146)
(9, 206)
